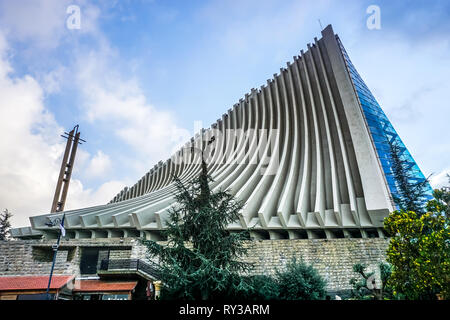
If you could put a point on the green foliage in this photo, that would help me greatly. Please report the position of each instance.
(263, 288)
(5, 224)
(257, 287)
(366, 288)
(297, 281)
(300, 282)
(419, 252)
(201, 259)
(411, 193)
(441, 202)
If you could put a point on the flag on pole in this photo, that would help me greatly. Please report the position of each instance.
(61, 226)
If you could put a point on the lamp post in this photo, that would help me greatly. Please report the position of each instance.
(53, 223)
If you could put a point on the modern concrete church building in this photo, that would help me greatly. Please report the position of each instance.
(307, 152)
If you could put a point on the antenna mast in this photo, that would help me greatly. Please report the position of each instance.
(320, 24)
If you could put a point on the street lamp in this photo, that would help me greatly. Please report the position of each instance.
(53, 223)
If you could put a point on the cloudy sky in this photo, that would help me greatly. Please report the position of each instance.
(136, 75)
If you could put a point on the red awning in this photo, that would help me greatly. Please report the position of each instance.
(102, 286)
(32, 282)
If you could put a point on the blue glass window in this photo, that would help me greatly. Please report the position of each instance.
(381, 130)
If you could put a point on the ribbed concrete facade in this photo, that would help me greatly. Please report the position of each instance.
(298, 151)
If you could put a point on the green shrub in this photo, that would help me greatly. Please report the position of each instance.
(419, 252)
(300, 281)
(260, 287)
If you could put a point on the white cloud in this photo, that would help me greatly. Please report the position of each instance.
(411, 84)
(99, 165)
(441, 179)
(51, 81)
(81, 197)
(38, 21)
(109, 98)
(28, 154)
(31, 151)
(43, 23)
(31, 146)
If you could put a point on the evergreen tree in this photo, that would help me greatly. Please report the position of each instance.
(201, 259)
(5, 224)
(411, 195)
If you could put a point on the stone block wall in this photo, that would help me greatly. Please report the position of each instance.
(24, 258)
(34, 257)
(333, 258)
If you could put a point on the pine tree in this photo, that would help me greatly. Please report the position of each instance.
(201, 259)
(5, 224)
(411, 195)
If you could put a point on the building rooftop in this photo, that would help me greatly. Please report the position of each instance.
(32, 282)
(99, 285)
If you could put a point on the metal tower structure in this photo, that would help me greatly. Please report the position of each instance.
(73, 139)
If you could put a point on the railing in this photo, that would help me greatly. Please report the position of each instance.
(147, 267)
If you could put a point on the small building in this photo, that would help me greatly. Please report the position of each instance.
(33, 287)
(103, 290)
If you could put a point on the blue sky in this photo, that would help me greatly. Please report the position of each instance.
(137, 74)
